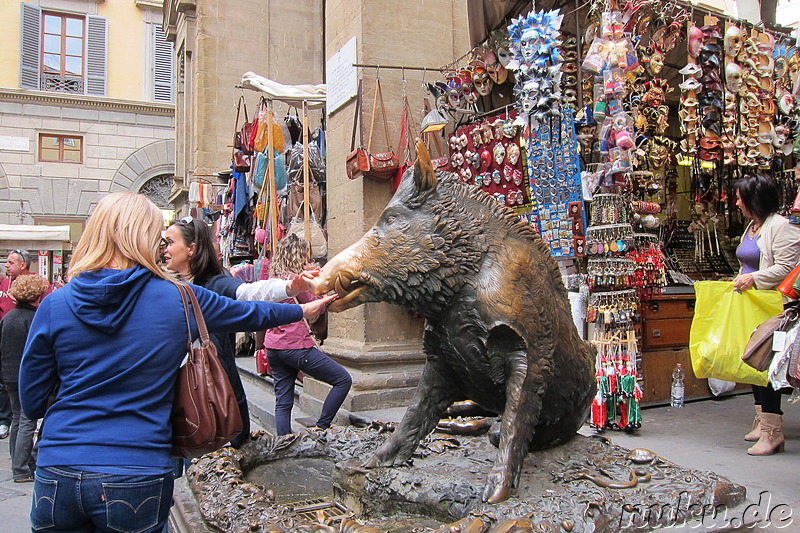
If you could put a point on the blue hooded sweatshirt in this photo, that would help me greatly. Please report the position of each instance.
(113, 341)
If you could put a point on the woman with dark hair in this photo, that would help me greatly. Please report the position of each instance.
(768, 251)
(190, 253)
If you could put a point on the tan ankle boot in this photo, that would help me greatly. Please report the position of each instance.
(771, 440)
(755, 432)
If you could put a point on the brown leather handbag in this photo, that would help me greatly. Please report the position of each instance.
(205, 415)
(382, 165)
(357, 160)
(759, 353)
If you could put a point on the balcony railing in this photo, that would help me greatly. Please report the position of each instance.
(62, 83)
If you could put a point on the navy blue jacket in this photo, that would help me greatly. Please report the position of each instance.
(115, 340)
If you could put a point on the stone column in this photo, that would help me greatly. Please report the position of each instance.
(379, 343)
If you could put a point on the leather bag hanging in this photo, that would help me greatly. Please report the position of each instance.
(758, 352)
(244, 138)
(205, 415)
(403, 146)
(240, 157)
(357, 160)
(382, 165)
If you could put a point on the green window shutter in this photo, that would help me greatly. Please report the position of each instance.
(30, 45)
(162, 66)
(96, 46)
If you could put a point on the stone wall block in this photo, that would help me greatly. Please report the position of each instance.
(80, 114)
(117, 116)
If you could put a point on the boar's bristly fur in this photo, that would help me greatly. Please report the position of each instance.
(498, 328)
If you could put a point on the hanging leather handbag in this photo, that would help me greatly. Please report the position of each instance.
(244, 137)
(241, 162)
(403, 146)
(759, 350)
(382, 165)
(357, 160)
(205, 415)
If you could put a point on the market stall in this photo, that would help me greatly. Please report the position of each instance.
(618, 132)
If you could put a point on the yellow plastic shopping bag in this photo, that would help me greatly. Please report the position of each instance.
(722, 324)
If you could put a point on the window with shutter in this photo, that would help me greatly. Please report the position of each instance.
(62, 52)
(162, 66)
(30, 39)
(96, 45)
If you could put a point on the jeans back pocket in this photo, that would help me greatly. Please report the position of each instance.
(44, 499)
(133, 507)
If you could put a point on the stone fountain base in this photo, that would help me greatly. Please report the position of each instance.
(311, 481)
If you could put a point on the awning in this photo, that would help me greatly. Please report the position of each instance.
(32, 238)
(294, 95)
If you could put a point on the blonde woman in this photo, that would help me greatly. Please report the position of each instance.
(112, 340)
(290, 348)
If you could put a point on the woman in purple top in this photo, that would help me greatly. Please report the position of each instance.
(290, 348)
(769, 250)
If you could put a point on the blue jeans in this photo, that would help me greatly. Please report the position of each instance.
(65, 499)
(312, 362)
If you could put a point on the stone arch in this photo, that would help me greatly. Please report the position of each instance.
(148, 162)
(158, 189)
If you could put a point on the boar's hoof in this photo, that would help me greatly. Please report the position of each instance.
(498, 487)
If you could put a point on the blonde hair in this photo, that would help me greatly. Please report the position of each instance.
(291, 256)
(125, 228)
(28, 288)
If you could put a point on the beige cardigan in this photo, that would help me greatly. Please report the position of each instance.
(779, 243)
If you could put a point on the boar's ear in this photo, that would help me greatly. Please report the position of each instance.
(424, 173)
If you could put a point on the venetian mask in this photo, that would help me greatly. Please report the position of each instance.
(528, 46)
(695, 41)
(733, 41)
(483, 83)
(512, 153)
(733, 77)
(656, 63)
(503, 56)
(499, 152)
(658, 155)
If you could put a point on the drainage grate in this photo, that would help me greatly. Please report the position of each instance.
(320, 510)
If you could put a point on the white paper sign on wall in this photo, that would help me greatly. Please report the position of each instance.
(16, 144)
(341, 78)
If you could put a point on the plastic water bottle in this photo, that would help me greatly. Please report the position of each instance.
(677, 386)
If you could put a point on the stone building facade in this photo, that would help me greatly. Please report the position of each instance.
(86, 108)
(216, 41)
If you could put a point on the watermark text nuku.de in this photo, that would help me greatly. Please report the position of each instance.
(685, 513)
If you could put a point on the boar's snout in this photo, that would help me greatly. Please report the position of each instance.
(342, 275)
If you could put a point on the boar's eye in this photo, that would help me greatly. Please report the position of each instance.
(390, 219)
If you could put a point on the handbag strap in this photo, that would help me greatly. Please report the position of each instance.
(378, 94)
(187, 292)
(402, 143)
(182, 292)
(355, 118)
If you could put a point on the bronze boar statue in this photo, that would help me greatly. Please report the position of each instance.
(498, 326)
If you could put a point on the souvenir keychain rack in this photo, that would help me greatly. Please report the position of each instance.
(616, 404)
